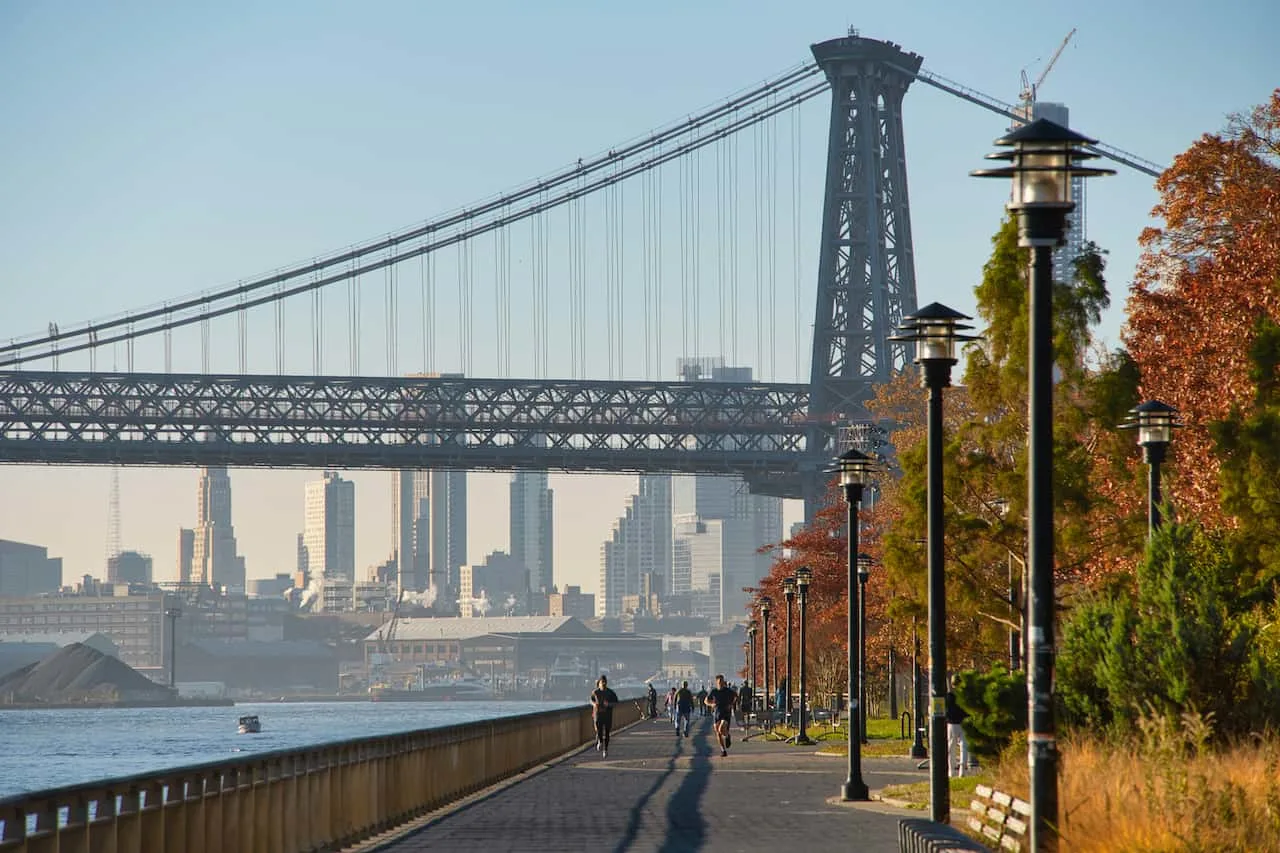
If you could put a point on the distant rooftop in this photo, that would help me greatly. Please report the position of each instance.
(54, 638)
(454, 628)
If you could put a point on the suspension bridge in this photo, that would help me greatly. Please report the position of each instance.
(651, 228)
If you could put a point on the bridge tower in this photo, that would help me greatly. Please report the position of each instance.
(866, 266)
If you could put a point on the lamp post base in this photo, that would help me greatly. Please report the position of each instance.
(801, 740)
(918, 751)
(855, 791)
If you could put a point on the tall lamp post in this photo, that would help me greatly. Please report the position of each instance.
(752, 629)
(766, 606)
(936, 329)
(1044, 157)
(789, 593)
(855, 469)
(173, 613)
(803, 577)
(864, 574)
(1155, 422)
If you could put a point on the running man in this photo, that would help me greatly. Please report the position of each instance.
(602, 701)
(721, 701)
(684, 708)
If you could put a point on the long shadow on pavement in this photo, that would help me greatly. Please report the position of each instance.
(686, 828)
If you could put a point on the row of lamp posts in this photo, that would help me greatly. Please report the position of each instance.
(1044, 159)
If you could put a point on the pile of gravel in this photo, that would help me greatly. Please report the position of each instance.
(78, 673)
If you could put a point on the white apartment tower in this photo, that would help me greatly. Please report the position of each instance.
(640, 545)
(719, 526)
(329, 529)
(532, 516)
(429, 528)
(214, 561)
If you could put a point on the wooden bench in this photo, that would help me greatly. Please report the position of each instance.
(1000, 818)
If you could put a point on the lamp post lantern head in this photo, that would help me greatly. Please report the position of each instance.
(855, 467)
(1155, 422)
(789, 589)
(864, 568)
(1044, 157)
(935, 329)
(803, 578)
(766, 606)
(751, 630)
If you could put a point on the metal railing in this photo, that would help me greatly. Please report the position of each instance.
(291, 801)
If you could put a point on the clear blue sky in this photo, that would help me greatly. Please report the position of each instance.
(151, 149)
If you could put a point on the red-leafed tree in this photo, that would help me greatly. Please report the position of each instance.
(1205, 278)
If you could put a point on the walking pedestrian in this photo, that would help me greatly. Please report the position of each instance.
(721, 700)
(652, 696)
(684, 708)
(671, 705)
(957, 764)
(702, 700)
(745, 698)
(602, 701)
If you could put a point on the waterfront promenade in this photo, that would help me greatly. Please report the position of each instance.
(658, 793)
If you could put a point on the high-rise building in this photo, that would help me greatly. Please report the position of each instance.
(640, 545)
(186, 553)
(129, 567)
(532, 507)
(28, 569)
(572, 602)
(495, 587)
(719, 526)
(429, 528)
(329, 531)
(214, 561)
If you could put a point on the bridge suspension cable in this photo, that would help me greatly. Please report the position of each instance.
(714, 123)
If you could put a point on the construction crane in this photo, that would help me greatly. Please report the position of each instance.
(1028, 96)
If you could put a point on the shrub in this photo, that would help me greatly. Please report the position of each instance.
(996, 702)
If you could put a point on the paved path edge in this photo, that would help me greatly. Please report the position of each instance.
(388, 837)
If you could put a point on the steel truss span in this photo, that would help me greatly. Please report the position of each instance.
(755, 430)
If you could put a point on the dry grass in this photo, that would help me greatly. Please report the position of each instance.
(1169, 792)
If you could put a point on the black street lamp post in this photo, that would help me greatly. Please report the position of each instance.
(752, 629)
(855, 469)
(936, 329)
(864, 573)
(789, 593)
(173, 613)
(766, 606)
(1044, 158)
(1155, 422)
(803, 576)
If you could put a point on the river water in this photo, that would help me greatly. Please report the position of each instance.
(55, 748)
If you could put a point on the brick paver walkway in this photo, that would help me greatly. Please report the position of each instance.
(656, 792)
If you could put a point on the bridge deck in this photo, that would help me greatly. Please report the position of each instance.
(658, 793)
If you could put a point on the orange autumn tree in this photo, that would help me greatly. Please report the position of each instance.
(1204, 280)
(822, 546)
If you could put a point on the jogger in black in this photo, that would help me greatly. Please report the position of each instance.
(602, 701)
(721, 701)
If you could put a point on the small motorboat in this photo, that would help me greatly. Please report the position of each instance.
(250, 725)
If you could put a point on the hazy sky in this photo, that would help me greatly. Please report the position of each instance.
(150, 150)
